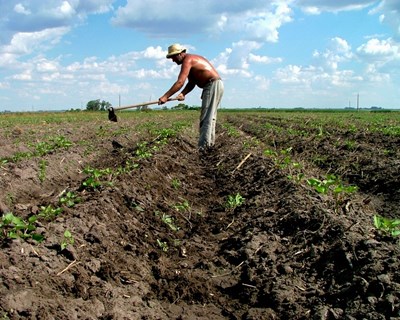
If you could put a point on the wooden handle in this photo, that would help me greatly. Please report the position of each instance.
(140, 104)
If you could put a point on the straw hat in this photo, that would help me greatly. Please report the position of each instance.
(174, 49)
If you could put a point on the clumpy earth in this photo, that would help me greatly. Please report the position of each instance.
(167, 232)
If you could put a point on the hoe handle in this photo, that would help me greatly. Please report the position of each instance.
(140, 104)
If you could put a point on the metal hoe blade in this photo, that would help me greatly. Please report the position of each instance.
(111, 115)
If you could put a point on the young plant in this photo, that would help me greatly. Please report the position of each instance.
(234, 201)
(42, 170)
(96, 178)
(48, 212)
(163, 245)
(390, 226)
(169, 221)
(183, 206)
(13, 227)
(68, 239)
(175, 183)
(69, 199)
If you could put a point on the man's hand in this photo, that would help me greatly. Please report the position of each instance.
(180, 97)
(162, 100)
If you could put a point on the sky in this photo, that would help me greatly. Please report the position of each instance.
(58, 55)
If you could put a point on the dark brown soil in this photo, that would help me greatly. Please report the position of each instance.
(288, 252)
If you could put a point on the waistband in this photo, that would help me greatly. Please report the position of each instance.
(213, 79)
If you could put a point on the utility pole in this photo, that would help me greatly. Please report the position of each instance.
(119, 99)
(358, 101)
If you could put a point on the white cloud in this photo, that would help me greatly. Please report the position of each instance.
(254, 20)
(380, 48)
(263, 59)
(338, 51)
(19, 8)
(318, 6)
(24, 76)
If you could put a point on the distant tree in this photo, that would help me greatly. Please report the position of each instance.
(181, 106)
(96, 105)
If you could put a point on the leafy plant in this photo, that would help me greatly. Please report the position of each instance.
(331, 182)
(163, 245)
(169, 221)
(13, 227)
(234, 201)
(48, 212)
(391, 226)
(183, 206)
(143, 151)
(175, 183)
(69, 199)
(42, 170)
(68, 239)
(96, 178)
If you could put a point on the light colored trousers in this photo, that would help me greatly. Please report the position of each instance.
(211, 100)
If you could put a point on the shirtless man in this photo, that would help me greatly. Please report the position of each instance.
(199, 72)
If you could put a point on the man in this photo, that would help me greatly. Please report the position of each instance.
(199, 72)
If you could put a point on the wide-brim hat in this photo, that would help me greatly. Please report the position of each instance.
(174, 49)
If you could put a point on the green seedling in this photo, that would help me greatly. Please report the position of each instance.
(42, 170)
(234, 201)
(232, 131)
(69, 199)
(169, 221)
(3, 161)
(175, 183)
(390, 226)
(96, 178)
(331, 183)
(143, 151)
(163, 245)
(48, 212)
(296, 177)
(68, 239)
(183, 206)
(13, 227)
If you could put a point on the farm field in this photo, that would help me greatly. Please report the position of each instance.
(292, 215)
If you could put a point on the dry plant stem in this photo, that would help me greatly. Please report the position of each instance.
(68, 267)
(230, 272)
(241, 163)
(233, 220)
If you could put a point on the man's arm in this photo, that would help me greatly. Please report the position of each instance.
(183, 75)
(189, 87)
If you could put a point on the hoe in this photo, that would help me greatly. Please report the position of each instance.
(113, 117)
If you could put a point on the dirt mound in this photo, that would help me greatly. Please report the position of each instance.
(166, 232)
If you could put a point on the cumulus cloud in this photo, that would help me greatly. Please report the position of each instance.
(338, 51)
(318, 6)
(30, 18)
(253, 19)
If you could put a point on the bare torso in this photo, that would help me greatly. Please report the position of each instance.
(200, 69)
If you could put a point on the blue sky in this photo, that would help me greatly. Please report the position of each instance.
(57, 55)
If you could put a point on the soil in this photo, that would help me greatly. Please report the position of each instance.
(159, 241)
